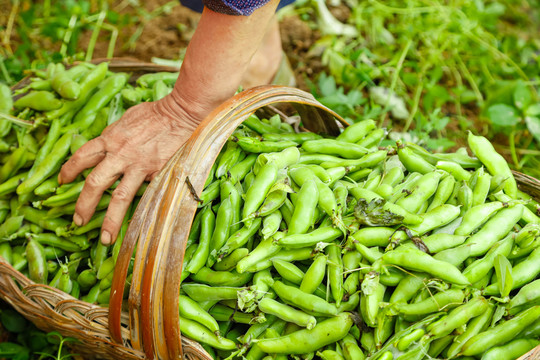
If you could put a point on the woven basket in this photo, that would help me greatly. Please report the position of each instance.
(140, 332)
(160, 228)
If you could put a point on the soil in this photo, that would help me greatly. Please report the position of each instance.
(167, 35)
(162, 36)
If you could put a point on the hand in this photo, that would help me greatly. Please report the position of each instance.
(135, 148)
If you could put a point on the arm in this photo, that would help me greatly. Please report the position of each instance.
(137, 146)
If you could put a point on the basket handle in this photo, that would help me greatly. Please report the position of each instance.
(164, 215)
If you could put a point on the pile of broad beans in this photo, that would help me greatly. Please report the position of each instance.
(303, 246)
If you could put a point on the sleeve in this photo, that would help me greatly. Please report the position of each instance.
(234, 7)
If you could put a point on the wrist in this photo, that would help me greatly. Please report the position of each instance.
(182, 110)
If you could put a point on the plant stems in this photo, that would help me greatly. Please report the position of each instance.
(395, 77)
(67, 35)
(512, 144)
(95, 34)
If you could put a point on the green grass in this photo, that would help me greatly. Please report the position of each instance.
(454, 64)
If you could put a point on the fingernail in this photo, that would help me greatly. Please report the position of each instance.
(105, 238)
(59, 179)
(77, 219)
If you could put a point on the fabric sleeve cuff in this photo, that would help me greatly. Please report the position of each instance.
(234, 7)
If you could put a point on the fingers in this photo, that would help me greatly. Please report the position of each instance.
(89, 155)
(99, 180)
(120, 202)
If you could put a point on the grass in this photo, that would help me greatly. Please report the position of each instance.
(455, 64)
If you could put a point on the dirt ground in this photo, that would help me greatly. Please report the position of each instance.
(167, 35)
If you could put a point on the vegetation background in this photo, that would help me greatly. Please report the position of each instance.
(429, 70)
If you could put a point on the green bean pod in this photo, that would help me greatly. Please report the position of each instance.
(334, 147)
(190, 309)
(37, 263)
(458, 317)
(335, 272)
(87, 85)
(414, 162)
(527, 294)
(49, 166)
(307, 302)
(302, 216)
(425, 187)
(494, 229)
(356, 131)
(258, 191)
(221, 231)
(201, 292)
(437, 217)
(351, 350)
(443, 193)
(501, 333)
(252, 145)
(270, 224)
(200, 333)
(511, 350)
(264, 250)
(478, 269)
(220, 278)
(64, 85)
(370, 300)
(228, 263)
(239, 238)
(522, 273)
(110, 87)
(39, 100)
(481, 189)
(437, 302)
(287, 313)
(494, 162)
(411, 258)
(304, 341)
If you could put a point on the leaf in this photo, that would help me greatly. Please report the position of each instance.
(24, 354)
(522, 96)
(383, 96)
(498, 315)
(503, 269)
(533, 110)
(533, 124)
(13, 321)
(370, 283)
(374, 214)
(503, 115)
(8, 349)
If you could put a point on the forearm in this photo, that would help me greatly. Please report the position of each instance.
(217, 57)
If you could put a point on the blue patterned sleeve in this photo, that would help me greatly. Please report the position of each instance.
(234, 7)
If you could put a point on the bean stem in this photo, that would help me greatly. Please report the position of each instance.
(20, 122)
(512, 144)
(95, 34)
(395, 78)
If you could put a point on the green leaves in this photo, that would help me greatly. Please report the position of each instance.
(503, 269)
(533, 125)
(373, 213)
(503, 115)
(13, 351)
(522, 95)
(12, 321)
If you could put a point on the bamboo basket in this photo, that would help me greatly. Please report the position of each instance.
(159, 229)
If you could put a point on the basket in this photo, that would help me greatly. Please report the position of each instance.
(131, 337)
(159, 228)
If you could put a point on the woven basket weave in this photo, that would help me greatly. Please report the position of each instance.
(159, 229)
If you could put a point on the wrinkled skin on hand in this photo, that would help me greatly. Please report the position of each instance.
(134, 148)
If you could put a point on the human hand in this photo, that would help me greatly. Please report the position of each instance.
(135, 148)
